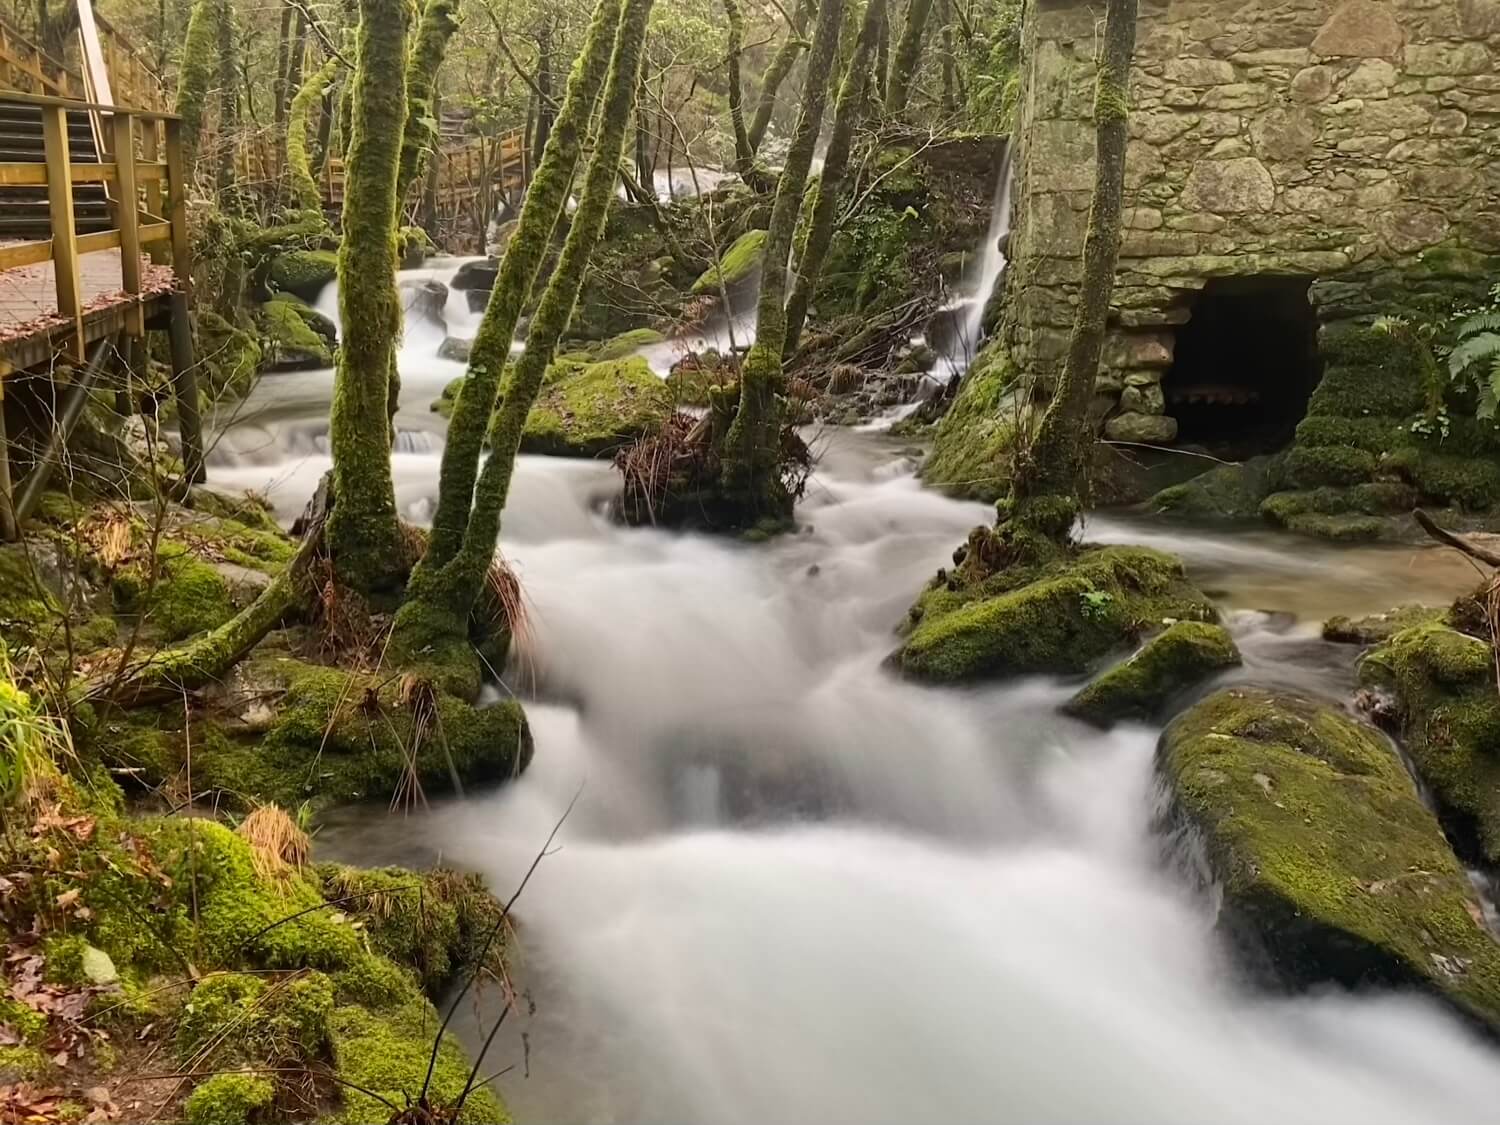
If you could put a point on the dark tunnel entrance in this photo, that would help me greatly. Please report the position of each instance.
(1244, 365)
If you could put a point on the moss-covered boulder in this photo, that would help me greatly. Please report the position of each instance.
(303, 273)
(229, 1099)
(1330, 867)
(1448, 713)
(297, 337)
(1377, 627)
(1183, 654)
(627, 343)
(184, 595)
(413, 245)
(228, 357)
(972, 447)
(1227, 492)
(737, 266)
(592, 409)
(1059, 617)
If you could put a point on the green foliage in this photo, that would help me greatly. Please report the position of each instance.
(229, 1099)
(28, 739)
(1474, 360)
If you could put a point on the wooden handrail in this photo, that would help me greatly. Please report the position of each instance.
(81, 106)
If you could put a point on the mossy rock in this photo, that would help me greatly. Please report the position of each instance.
(1229, 492)
(413, 245)
(304, 273)
(735, 267)
(627, 343)
(295, 335)
(1443, 682)
(29, 610)
(971, 450)
(1317, 465)
(594, 409)
(240, 1018)
(1330, 867)
(1061, 617)
(1378, 627)
(1471, 483)
(229, 1099)
(228, 357)
(189, 595)
(1183, 654)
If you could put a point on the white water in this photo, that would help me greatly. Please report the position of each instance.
(795, 889)
(967, 306)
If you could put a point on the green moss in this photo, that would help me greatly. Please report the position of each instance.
(627, 343)
(1470, 482)
(28, 1024)
(304, 273)
(387, 1053)
(413, 245)
(23, 1064)
(1375, 435)
(1232, 492)
(1444, 685)
(229, 358)
(974, 442)
(735, 266)
(229, 1099)
(235, 1018)
(1368, 373)
(1313, 466)
(189, 596)
(28, 609)
(291, 341)
(589, 410)
(1325, 856)
(1059, 618)
(1181, 655)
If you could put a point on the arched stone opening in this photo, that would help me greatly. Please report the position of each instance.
(1244, 365)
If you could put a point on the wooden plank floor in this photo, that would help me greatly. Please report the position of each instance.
(28, 294)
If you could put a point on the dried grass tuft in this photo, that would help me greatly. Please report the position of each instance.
(277, 846)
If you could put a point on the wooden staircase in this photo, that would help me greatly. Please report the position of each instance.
(24, 207)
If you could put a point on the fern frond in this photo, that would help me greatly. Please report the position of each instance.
(1478, 322)
(1482, 348)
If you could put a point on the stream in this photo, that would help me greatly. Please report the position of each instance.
(796, 889)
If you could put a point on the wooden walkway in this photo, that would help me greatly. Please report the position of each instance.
(29, 316)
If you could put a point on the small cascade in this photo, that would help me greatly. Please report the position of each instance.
(964, 319)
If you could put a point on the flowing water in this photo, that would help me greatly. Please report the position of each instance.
(796, 889)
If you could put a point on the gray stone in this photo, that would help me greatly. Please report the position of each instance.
(455, 348)
(97, 966)
(1229, 186)
(1312, 84)
(1220, 124)
(1286, 134)
(1143, 399)
(1148, 429)
(1442, 58)
(1360, 29)
(1408, 227)
(480, 274)
(1449, 122)
(1240, 95)
(1370, 78)
(1197, 72)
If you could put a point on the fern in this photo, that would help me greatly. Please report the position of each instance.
(1487, 321)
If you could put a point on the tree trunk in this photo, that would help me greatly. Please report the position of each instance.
(327, 116)
(950, 97)
(195, 75)
(750, 476)
(364, 536)
(523, 257)
(283, 54)
(846, 115)
(744, 152)
(781, 65)
(439, 22)
(544, 111)
(229, 100)
(304, 184)
(1047, 485)
(645, 174)
(908, 57)
(883, 56)
(427, 625)
(294, 63)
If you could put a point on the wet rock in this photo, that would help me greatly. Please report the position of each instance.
(426, 298)
(1328, 866)
(294, 335)
(479, 274)
(455, 348)
(592, 409)
(1148, 429)
(1379, 626)
(1443, 686)
(1231, 492)
(1183, 654)
(1061, 617)
(304, 273)
(736, 267)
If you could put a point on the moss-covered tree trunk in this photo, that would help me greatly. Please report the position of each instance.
(523, 257)
(751, 479)
(283, 54)
(847, 112)
(298, 160)
(883, 57)
(437, 612)
(744, 152)
(543, 97)
(229, 102)
(950, 83)
(781, 65)
(908, 58)
(438, 23)
(363, 534)
(1046, 487)
(196, 74)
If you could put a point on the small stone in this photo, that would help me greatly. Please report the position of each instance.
(1198, 72)
(1359, 29)
(1449, 122)
(1408, 228)
(1147, 399)
(1371, 78)
(1229, 186)
(1149, 429)
(1312, 84)
(97, 966)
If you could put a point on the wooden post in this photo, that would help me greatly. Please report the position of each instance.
(128, 218)
(8, 529)
(151, 154)
(60, 212)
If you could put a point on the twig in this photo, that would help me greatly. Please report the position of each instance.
(484, 950)
(1458, 543)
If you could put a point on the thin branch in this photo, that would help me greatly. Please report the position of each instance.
(1458, 543)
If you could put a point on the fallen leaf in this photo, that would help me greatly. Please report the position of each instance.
(68, 898)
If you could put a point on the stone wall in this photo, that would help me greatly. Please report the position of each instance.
(1316, 138)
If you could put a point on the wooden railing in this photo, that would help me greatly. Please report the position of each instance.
(148, 204)
(133, 80)
(25, 67)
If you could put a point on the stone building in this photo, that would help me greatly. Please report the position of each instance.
(1291, 164)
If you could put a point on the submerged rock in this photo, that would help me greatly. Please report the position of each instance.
(1061, 617)
(1378, 626)
(1181, 655)
(1443, 685)
(455, 348)
(478, 274)
(1330, 867)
